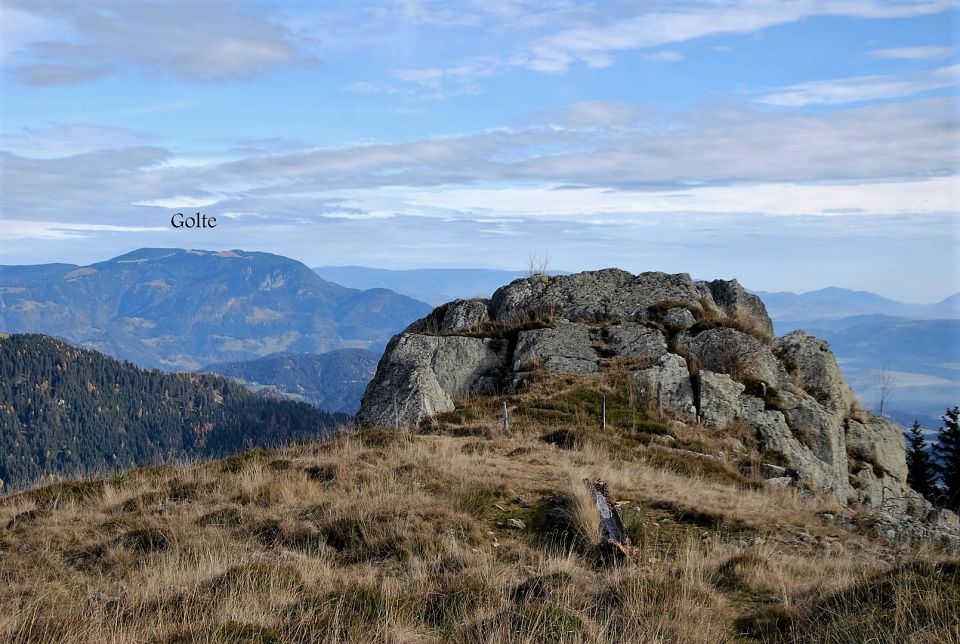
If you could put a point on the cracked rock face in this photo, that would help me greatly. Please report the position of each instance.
(465, 315)
(594, 295)
(790, 392)
(817, 369)
(727, 350)
(422, 375)
(566, 348)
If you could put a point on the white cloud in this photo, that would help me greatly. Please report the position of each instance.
(680, 23)
(914, 53)
(863, 88)
(19, 28)
(362, 87)
(212, 40)
(71, 138)
(595, 146)
(598, 114)
(442, 82)
(937, 195)
(665, 56)
(16, 229)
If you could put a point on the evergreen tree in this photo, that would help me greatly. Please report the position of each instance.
(921, 468)
(948, 452)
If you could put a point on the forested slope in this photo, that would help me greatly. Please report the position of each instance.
(66, 411)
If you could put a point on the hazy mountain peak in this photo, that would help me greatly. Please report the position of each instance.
(178, 308)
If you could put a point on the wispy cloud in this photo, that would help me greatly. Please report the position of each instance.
(688, 21)
(665, 56)
(72, 138)
(47, 230)
(458, 79)
(589, 114)
(914, 53)
(863, 88)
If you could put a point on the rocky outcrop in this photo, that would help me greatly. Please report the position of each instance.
(678, 318)
(422, 375)
(629, 339)
(704, 350)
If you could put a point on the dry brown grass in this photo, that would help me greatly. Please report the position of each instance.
(383, 536)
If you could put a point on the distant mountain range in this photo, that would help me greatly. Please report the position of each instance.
(183, 309)
(834, 303)
(66, 411)
(334, 381)
(432, 285)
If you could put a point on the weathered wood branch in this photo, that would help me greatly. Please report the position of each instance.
(612, 529)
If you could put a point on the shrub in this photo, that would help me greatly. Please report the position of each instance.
(239, 461)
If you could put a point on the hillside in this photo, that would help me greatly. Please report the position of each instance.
(183, 309)
(66, 411)
(457, 532)
(334, 381)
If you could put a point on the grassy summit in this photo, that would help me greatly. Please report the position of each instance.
(386, 536)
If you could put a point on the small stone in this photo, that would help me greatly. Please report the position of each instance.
(515, 523)
(780, 481)
(679, 319)
(499, 507)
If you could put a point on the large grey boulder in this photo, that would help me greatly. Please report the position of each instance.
(819, 429)
(735, 300)
(566, 348)
(609, 294)
(720, 399)
(423, 375)
(730, 351)
(678, 318)
(879, 443)
(816, 367)
(630, 339)
(669, 381)
(815, 474)
(465, 315)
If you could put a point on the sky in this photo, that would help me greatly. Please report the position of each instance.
(793, 144)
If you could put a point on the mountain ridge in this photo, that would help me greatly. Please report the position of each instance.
(183, 309)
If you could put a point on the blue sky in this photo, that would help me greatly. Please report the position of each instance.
(793, 144)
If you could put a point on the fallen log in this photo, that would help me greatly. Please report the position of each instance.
(612, 530)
